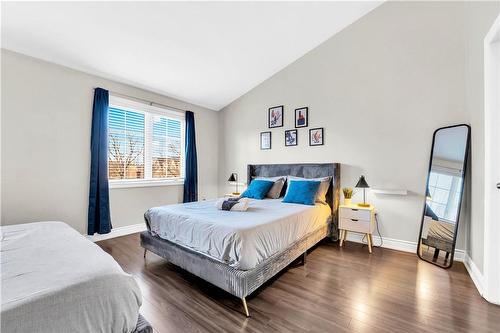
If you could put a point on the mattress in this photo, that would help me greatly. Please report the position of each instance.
(442, 230)
(241, 240)
(55, 280)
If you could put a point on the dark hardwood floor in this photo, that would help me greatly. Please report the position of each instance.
(338, 290)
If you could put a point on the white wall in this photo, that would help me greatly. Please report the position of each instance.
(45, 123)
(379, 88)
(478, 20)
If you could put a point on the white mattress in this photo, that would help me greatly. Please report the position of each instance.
(240, 239)
(55, 280)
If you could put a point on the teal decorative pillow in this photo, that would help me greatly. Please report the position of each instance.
(302, 192)
(258, 189)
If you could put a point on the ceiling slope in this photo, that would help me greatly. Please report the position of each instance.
(205, 53)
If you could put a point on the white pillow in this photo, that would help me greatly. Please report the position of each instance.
(322, 189)
(275, 191)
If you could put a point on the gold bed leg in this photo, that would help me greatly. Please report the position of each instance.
(245, 306)
(145, 251)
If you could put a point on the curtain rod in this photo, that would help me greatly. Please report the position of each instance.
(143, 100)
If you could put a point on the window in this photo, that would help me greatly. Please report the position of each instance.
(126, 144)
(146, 144)
(445, 190)
(166, 148)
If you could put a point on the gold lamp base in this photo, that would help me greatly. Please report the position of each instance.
(363, 205)
(236, 193)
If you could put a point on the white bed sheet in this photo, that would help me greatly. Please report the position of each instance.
(240, 239)
(55, 280)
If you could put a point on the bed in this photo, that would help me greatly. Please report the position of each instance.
(54, 279)
(239, 251)
(439, 235)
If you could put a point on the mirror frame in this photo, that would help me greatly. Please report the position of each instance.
(466, 162)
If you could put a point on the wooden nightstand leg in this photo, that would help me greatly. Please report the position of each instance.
(341, 234)
(369, 238)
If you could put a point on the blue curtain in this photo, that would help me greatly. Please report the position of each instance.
(191, 172)
(98, 215)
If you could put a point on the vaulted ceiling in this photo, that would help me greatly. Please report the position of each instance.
(206, 53)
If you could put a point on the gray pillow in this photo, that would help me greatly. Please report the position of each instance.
(322, 190)
(275, 191)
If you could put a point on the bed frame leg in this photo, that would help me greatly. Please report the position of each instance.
(245, 306)
(304, 256)
(145, 251)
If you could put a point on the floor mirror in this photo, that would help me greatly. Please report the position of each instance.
(444, 195)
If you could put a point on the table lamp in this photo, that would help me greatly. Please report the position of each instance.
(234, 178)
(364, 185)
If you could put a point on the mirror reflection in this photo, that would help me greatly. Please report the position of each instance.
(444, 192)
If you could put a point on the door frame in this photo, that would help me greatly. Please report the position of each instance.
(491, 272)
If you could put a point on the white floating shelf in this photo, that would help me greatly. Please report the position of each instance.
(389, 192)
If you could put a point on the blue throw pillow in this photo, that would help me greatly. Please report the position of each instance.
(302, 192)
(258, 189)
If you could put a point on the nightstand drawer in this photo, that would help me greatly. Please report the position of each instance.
(356, 225)
(357, 214)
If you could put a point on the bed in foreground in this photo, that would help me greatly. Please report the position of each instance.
(53, 280)
(240, 251)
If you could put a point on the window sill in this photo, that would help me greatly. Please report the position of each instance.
(144, 183)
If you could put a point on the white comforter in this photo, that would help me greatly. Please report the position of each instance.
(241, 239)
(55, 280)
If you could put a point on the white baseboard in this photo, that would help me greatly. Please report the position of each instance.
(475, 274)
(397, 244)
(117, 232)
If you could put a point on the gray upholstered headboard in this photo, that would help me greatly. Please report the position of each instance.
(313, 170)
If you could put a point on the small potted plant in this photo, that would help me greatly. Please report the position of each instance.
(347, 195)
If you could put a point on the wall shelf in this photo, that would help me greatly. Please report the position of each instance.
(389, 191)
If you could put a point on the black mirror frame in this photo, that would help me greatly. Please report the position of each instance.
(466, 161)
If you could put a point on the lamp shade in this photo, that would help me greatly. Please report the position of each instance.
(233, 177)
(362, 183)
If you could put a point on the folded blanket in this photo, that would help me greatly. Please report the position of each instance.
(233, 204)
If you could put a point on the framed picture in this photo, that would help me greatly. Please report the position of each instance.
(275, 116)
(316, 136)
(301, 117)
(291, 138)
(265, 140)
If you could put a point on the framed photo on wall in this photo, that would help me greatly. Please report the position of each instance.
(316, 136)
(275, 116)
(301, 117)
(291, 138)
(265, 140)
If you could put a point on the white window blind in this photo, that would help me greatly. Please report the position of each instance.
(126, 144)
(146, 143)
(166, 147)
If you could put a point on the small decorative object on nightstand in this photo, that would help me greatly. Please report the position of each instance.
(347, 195)
(234, 178)
(231, 195)
(357, 219)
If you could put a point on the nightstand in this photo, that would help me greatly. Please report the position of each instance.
(231, 195)
(357, 219)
